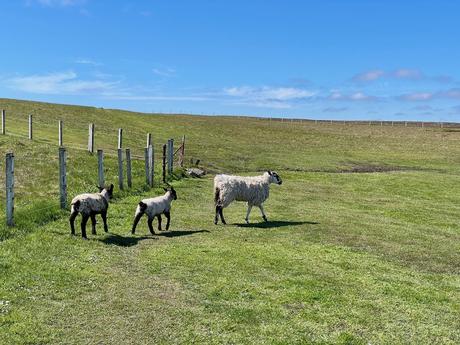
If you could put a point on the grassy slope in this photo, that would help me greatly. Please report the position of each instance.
(347, 258)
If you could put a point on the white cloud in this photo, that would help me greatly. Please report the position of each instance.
(58, 83)
(164, 72)
(417, 96)
(369, 75)
(88, 62)
(354, 97)
(404, 73)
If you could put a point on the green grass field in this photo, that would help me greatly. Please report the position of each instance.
(362, 244)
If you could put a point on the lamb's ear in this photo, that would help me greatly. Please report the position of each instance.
(165, 189)
(269, 172)
(111, 187)
(100, 188)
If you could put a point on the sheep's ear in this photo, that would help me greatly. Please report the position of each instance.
(165, 189)
(111, 187)
(100, 188)
(269, 172)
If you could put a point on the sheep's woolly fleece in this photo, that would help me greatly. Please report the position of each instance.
(91, 203)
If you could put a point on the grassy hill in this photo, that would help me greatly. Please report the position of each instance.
(362, 246)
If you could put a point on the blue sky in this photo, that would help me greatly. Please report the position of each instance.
(395, 60)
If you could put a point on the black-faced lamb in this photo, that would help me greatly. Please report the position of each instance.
(89, 205)
(253, 189)
(155, 207)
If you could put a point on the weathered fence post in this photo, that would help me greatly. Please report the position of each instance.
(164, 163)
(10, 189)
(120, 138)
(146, 157)
(170, 156)
(422, 124)
(149, 165)
(62, 178)
(128, 168)
(60, 133)
(149, 139)
(91, 138)
(3, 121)
(30, 128)
(100, 168)
(405, 123)
(442, 124)
(120, 169)
(182, 152)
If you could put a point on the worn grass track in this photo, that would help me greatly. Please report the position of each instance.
(370, 256)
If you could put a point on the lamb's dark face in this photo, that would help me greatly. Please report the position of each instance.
(109, 190)
(274, 177)
(174, 194)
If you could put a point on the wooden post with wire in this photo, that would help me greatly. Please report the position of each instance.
(10, 189)
(30, 127)
(3, 121)
(100, 168)
(62, 178)
(60, 133)
(164, 163)
(91, 138)
(128, 168)
(170, 156)
(120, 169)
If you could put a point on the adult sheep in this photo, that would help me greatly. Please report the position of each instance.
(253, 189)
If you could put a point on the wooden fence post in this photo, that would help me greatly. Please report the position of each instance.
(151, 165)
(100, 168)
(10, 189)
(120, 138)
(128, 168)
(182, 153)
(30, 128)
(164, 163)
(91, 138)
(405, 123)
(120, 169)
(3, 121)
(62, 178)
(149, 139)
(170, 156)
(146, 157)
(60, 133)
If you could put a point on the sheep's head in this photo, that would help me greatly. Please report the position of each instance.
(172, 191)
(109, 190)
(274, 177)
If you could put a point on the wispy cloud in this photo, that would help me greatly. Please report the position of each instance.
(56, 3)
(59, 83)
(164, 72)
(88, 62)
(399, 74)
(417, 96)
(369, 75)
(268, 97)
(353, 97)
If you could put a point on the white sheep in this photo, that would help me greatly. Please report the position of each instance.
(89, 205)
(155, 207)
(254, 190)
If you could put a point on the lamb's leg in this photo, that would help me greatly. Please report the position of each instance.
(263, 213)
(104, 219)
(159, 222)
(73, 215)
(149, 222)
(168, 217)
(216, 218)
(137, 218)
(84, 220)
(247, 214)
(221, 213)
(93, 224)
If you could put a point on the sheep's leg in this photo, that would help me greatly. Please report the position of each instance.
(93, 224)
(72, 222)
(247, 214)
(216, 218)
(168, 217)
(104, 219)
(149, 222)
(159, 222)
(84, 220)
(137, 218)
(263, 213)
(221, 213)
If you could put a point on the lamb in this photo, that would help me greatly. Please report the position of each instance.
(89, 205)
(154, 207)
(254, 190)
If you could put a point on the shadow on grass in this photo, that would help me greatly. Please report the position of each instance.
(178, 233)
(273, 224)
(129, 241)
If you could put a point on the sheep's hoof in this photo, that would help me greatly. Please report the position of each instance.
(84, 238)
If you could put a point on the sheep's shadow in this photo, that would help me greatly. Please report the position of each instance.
(274, 224)
(178, 233)
(122, 241)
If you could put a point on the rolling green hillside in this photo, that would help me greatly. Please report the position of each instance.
(362, 244)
